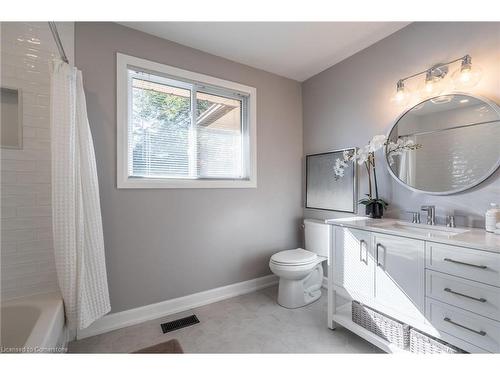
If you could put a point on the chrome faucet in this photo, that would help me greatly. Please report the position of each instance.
(431, 214)
(415, 217)
(450, 221)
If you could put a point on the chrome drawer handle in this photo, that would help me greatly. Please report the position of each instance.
(379, 264)
(480, 333)
(362, 243)
(464, 264)
(465, 295)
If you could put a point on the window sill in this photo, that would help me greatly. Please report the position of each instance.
(149, 183)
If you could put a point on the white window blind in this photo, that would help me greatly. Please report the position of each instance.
(180, 129)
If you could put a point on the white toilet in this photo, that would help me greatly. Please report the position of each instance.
(301, 271)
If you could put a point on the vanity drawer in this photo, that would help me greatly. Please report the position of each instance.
(479, 298)
(470, 327)
(468, 263)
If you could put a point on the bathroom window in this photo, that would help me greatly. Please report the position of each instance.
(180, 129)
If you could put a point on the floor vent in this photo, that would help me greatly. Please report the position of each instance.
(179, 323)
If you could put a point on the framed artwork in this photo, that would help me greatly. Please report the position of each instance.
(326, 192)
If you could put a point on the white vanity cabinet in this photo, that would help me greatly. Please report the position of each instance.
(399, 274)
(447, 291)
(355, 264)
(386, 272)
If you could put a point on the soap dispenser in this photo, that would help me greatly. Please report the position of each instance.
(492, 217)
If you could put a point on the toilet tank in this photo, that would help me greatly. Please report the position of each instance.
(317, 237)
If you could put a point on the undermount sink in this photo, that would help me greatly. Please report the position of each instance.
(423, 229)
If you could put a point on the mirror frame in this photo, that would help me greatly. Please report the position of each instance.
(491, 103)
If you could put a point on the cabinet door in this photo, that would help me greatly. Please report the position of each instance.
(399, 275)
(354, 263)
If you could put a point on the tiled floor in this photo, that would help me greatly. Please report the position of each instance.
(252, 323)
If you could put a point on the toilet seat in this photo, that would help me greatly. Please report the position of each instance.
(295, 257)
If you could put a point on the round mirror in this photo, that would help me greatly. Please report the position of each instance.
(458, 138)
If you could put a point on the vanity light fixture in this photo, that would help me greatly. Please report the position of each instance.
(464, 77)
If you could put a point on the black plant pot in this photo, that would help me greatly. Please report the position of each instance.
(375, 210)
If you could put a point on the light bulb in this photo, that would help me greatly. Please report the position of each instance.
(433, 86)
(466, 76)
(402, 94)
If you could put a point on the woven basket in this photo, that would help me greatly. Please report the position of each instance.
(388, 328)
(421, 343)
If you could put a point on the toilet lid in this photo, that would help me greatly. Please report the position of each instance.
(296, 256)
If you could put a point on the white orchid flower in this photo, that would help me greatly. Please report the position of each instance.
(363, 154)
(377, 142)
(391, 146)
(347, 155)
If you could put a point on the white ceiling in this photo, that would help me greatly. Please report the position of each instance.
(296, 50)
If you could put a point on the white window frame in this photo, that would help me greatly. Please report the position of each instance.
(123, 63)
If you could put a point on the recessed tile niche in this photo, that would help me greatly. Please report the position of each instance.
(11, 109)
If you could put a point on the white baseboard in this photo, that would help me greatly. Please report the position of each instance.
(324, 284)
(157, 310)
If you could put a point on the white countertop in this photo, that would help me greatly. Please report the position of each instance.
(472, 237)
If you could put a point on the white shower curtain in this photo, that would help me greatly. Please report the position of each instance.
(407, 169)
(76, 212)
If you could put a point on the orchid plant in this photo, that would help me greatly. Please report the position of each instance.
(366, 156)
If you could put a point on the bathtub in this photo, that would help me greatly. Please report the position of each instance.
(33, 325)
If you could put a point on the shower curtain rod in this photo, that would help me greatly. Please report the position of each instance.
(57, 39)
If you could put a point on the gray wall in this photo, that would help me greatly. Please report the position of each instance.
(167, 243)
(349, 103)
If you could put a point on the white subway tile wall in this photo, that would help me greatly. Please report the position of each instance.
(27, 259)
